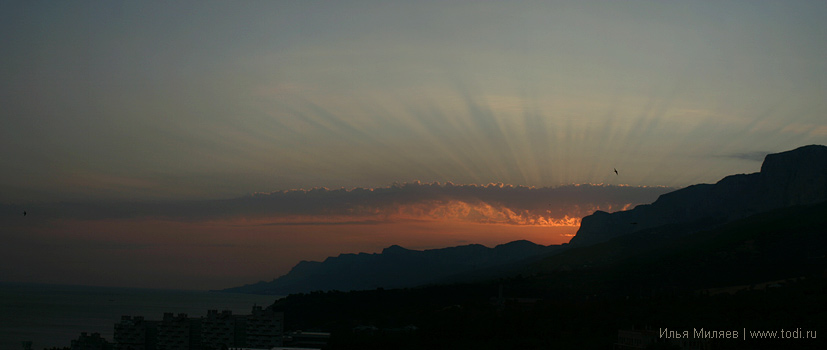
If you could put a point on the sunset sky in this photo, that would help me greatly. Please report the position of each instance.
(210, 144)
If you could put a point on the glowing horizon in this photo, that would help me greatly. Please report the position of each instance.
(261, 236)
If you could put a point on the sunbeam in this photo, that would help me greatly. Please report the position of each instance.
(384, 117)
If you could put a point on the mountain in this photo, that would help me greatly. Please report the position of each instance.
(793, 178)
(746, 254)
(778, 244)
(796, 177)
(756, 273)
(394, 267)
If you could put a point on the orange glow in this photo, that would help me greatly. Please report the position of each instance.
(219, 254)
(437, 211)
(216, 244)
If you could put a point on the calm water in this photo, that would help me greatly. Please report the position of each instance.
(52, 315)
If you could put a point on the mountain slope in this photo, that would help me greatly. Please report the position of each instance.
(796, 177)
(581, 298)
(779, 244)
(793, 178)
(748, 253)
(395, 267)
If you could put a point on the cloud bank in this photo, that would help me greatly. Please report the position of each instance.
(415, 201)
(212, 244)
(751, 156)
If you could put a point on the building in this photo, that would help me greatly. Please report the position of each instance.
(91, 342)
(301, 339)
(135, 333)
(178, 333)
(218, 330)
(263, 329)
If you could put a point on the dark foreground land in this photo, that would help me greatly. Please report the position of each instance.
(764, 273)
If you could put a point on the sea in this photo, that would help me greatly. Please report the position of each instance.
(53, 315)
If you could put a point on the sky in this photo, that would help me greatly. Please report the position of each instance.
(210, 144)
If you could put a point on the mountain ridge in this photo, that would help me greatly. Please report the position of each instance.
(795, 177)
(394, 267)
(742, 269)
(791, 178)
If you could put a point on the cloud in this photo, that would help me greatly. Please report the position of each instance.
(494, 203)
(753, 156)
(218, 243)
(325, 223)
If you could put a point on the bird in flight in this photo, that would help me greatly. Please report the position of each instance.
(24, 213)
(616, 171)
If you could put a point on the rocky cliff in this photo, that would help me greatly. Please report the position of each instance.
(795, 177)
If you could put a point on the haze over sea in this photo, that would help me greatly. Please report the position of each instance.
(53, 315)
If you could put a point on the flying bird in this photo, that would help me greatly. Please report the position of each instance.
(24, 213)
(616, 171)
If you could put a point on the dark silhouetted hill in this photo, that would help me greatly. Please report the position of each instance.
(778, 244)
(796, 177)
(395, 267)
(765, 271)
(748, 253)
